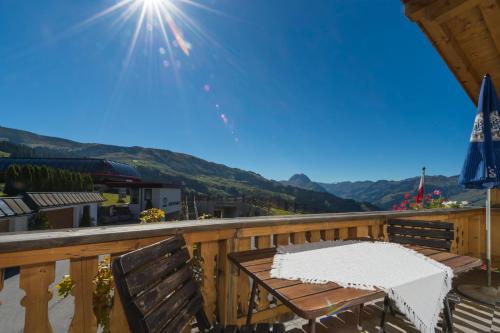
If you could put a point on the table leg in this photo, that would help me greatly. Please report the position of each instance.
(447, 316)
(384, 313)
(360, 316)
(251, 303)
(312, 325)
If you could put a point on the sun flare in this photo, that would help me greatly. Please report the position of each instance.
(162, 16)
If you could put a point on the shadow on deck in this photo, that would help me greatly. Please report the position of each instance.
(469, 316)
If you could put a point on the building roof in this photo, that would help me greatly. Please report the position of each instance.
(141, 185)
(13, 206)
(466, 34)
(100, 169)
(58, 199)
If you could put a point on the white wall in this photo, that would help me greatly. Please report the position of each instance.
(78, 213)
(166, 199)
(19, 223)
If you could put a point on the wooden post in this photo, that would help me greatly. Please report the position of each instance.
(227, 284)
(209, 251)
(329, 234)
(315, 236)
(282, 239)
(82, 272)
(298, 237)
(344, 233)
(362, 231)
(35, 281)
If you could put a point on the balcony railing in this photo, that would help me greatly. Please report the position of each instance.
(225, 291)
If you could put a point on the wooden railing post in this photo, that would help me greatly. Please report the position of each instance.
(329, 234)
(83, 272)
(344, 233)
(299, 237)
(209, 252)
(35, 281)
(315, 236)
(227, 284)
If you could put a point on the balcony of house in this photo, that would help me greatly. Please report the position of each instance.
(30, 301)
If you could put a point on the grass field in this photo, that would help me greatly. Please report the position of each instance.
(112, 199)
(277, 211)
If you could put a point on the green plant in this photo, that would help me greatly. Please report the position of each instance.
(103, 295)
(64, 286)
(38, 221)
(152, 215)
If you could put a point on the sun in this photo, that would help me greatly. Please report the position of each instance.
(160, 15)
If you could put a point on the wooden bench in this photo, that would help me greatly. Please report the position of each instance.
(160, 294)
(436, 235)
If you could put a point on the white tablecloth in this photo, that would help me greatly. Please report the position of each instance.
(416, 283)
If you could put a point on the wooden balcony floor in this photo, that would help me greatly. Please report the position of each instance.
(469, 316)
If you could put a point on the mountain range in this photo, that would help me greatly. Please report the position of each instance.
(386, 193)
(197, 175)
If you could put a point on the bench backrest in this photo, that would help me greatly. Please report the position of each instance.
(437, 234)
(157, 288)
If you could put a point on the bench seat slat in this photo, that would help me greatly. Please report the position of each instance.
(431, 233)
(428, 242)
(421, 224)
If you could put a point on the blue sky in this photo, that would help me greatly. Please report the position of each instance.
(338, 90)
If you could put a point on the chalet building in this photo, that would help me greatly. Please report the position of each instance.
(112, 176)
(63, 209)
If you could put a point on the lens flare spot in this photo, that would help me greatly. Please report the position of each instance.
(162, 50)
(224, 118)
(206, 87)
(166, 64)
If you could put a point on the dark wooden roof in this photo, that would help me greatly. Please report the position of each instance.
(10, 207)
(58, 199)
(466, 34)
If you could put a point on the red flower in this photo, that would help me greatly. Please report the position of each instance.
(437, 192)
(428, 197)
(407, 195)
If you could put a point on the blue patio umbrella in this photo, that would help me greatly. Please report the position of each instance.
(481, 169)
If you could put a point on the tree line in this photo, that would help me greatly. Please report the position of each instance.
(34, 178)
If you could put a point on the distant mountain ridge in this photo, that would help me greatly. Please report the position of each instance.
(302, 181)
(386, 193)
(196, 174)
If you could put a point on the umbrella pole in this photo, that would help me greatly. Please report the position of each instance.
(488, 235)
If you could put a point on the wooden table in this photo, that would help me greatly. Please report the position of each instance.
(311, 301)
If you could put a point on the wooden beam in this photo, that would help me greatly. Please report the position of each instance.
(491, 14)
(451, 52)
(444, 10)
